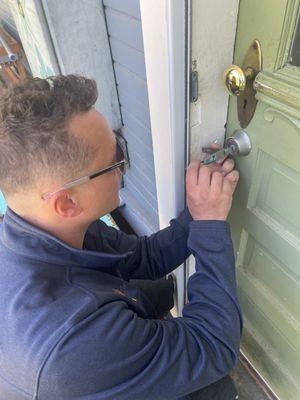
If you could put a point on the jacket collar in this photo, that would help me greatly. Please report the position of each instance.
(29, 241)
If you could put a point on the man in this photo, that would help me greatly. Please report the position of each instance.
(72, 326)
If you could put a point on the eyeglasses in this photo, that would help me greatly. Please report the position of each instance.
(122, 162)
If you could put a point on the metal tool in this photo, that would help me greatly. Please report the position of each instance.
(10, 54)
(237, 144)
(217, 156)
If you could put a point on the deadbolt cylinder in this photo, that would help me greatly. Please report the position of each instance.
(239, 143)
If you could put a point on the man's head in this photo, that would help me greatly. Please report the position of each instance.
(50, 134)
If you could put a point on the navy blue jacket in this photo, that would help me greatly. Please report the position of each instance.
(73, 327)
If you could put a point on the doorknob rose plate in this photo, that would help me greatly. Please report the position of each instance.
(239, 81)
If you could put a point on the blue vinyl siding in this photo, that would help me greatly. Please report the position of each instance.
(126, 42)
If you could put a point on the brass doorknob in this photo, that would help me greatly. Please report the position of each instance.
(235, 79)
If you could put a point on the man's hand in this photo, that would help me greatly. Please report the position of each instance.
(209, 189)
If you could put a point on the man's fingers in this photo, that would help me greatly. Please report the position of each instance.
(230, 182)
(216, 182)
(227, 166)
(192, 173)
(204, 175)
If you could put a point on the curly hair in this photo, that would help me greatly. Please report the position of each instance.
(35, 140)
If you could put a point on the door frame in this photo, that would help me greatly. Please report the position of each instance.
(185, 31)
(167, 90)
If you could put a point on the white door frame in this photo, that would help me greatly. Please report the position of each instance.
(178, 33)
(164, 27)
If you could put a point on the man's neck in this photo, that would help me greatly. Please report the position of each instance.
(73, 236)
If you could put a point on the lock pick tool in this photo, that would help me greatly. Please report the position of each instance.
(214, 155)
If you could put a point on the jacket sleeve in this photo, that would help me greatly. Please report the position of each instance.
(134, 358)
(152, 257)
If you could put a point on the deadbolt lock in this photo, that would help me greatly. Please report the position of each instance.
(236, 145)
(239, 143)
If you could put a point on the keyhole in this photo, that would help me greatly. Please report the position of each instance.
(233, 148)
(245, 104)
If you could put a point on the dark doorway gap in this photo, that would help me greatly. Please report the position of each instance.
(122, 222)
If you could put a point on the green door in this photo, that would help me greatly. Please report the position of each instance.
(265, 215)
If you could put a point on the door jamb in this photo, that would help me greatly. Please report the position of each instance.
(166, 81)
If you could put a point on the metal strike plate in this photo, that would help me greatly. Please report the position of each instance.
(194, 87)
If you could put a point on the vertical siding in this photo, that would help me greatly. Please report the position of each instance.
(7, 19)
(126, 42)
(8, 23)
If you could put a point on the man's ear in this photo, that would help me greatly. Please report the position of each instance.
(64, 205)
